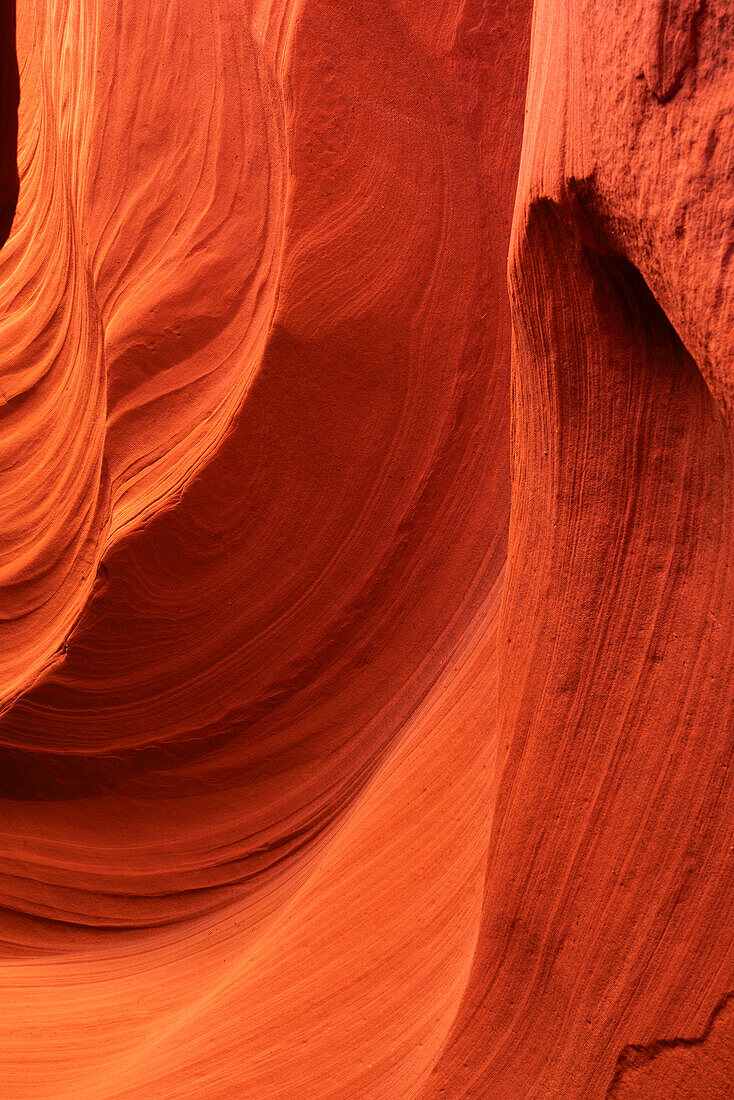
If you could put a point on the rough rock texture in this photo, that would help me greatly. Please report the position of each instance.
(610, 882)
(315, 779)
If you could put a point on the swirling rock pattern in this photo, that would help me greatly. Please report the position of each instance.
(323, 771)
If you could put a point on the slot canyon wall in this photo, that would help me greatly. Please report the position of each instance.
(367, 549)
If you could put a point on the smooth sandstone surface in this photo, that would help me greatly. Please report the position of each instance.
(366, 549)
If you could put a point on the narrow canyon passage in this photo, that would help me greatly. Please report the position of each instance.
(367, 550)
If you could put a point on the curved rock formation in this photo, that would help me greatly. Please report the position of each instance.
(289, 806)
(265, 386)
(610, 882)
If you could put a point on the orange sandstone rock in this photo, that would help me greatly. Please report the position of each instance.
(323, 773)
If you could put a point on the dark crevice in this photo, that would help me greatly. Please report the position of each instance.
(9, 101)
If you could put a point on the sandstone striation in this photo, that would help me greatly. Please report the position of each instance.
(366, 630)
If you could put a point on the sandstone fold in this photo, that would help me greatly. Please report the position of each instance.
(366, 549)
(257, 435)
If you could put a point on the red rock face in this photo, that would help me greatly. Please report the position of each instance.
(366, 687)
